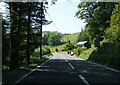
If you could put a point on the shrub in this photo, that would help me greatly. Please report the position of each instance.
(46, 50)
(69, 46)
(78, 50)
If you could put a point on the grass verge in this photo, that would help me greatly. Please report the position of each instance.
(93, 55)
(12, 76)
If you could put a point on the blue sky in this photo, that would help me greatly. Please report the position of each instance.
(62, 14)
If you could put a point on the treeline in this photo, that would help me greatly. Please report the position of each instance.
(103, 26)
(52, 38)
(21, 32)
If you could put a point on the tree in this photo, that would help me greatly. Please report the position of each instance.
(82, 36)
(23, 16)
(28, 32)
(113, 33)
(5, 42)
(46, 36)
(13, 39)
(97, 16)
(69, 46)
(55, 38)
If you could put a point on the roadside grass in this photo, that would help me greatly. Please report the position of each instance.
(59, 47)
(71, 37)
(105, 59)
(13, 75)
(86, 53)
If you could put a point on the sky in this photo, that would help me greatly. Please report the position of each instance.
(63, 16)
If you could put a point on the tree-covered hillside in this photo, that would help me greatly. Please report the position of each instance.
(103, 27)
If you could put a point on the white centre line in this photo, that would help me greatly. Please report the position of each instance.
(66, 60)
(71, 66)
(84, 80)
(69, 63)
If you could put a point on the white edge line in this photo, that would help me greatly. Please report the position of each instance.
(71, 66)
(84, 80)
(101, 65)
(104, 66)
(30, 72)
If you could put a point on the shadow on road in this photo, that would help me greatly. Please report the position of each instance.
(59, 72)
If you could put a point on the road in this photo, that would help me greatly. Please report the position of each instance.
(64, 69)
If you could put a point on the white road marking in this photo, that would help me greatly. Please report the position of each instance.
(22, 78)
(30, 72)
(103, 66)
(69, 63)
(71, 66)
(66, 60)
(84, 80)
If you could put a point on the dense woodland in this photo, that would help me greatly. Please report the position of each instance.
(21, 32)
(102, 30)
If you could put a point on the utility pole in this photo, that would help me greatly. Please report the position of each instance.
(41, 16)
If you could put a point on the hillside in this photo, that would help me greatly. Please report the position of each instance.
(71, 37)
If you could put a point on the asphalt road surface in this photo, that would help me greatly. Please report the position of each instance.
(64, 69)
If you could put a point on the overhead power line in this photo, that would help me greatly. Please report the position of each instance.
(53, 22)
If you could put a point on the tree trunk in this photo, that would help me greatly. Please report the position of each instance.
(28, 33)
(13, 39)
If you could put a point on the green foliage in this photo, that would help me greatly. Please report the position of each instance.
(108, 54)
(113, 33)
(46, 36)
(56, 50)
(82, 36)
(46, 50)
(59, 47)
(96, 42)
(35, 56)
(55, 38)
(72, 37)
(103, 22)
(23, 36)
(51, 38)
(85, 53)
(97, 16)
(78, 50)
(69, 46)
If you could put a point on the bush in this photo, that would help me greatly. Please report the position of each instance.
(56, 50)
(108, 54)
(69, 46)
(77, 51)
(46, 50)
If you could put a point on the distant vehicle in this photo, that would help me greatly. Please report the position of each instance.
(71, 53)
